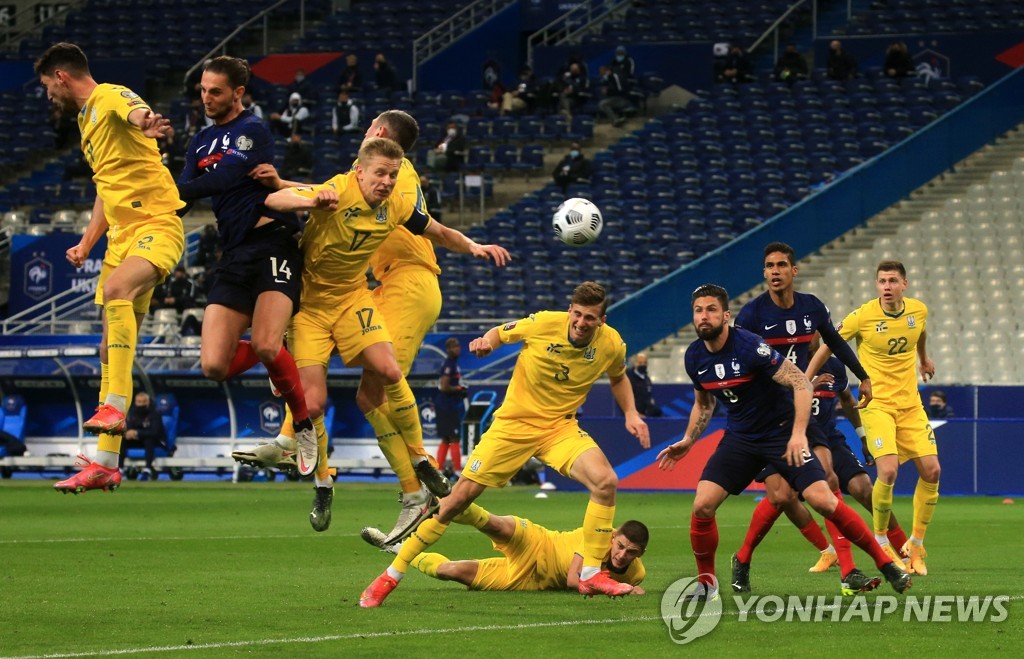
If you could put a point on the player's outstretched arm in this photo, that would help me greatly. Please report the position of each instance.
(838, 345)
(852, 411)
(817, 361)
(925, 365)
(793, 378)
(700, 417)
(289, 201)
(97, 227)
(151, 124)
(267, 174)
(622, 390)
(486, 344)
(459, 242)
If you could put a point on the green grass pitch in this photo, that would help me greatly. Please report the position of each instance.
(215, 569)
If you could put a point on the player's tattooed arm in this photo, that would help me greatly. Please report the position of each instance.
(791, 377)
(700, 416)
(704, 406)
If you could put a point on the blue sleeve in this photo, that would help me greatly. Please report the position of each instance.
(188, 171)
(761, 356)
(841, 349)
(691, 369)
(745, 318)
(227, 173)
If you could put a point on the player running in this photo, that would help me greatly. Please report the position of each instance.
(136, 204)
(563, 354)
(750, 378)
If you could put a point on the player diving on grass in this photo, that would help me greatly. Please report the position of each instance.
(535, 558)
(351, 215)
(563, 354)
(767, 402)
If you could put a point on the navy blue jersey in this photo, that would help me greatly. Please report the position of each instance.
(217, 165)
(790, 330)
(823, 411)
(740, 377)
(451, 369)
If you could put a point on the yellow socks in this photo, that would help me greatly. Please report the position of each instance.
(322, 474)
(926, 495)
(107, 442)
(881, 507)
(404, 414)
(393, 447)
(121, 338)
(597, 533)
(427, 563)
(474, 516)
(429, 532)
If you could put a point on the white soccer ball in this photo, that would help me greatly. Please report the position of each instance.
(577, 222)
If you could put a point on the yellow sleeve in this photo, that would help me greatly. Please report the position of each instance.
(123, 102)
(850, 326)
(311, 191)
(519, 330)
(618, 367)
(635, 573)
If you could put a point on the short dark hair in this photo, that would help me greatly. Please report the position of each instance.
(711, 290)
(402, 127)
(235, 68)
(451, 342)
(64, 56)
(891, 266)
(636, 532)
(589, 294)
(783, 248)
(938, 393)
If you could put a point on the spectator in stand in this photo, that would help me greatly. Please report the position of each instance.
(196, 118)
(345, 115)
(573, 168)
(301, 85)
(194, 83)
(65, 127)
(289, 121)
(384, 74)
(298, 159)
(208, 245)
(176, 292)
(643, 390)
(250, 104)
(615, 104)
(937, 407)
(172, 151)
(575, 91)
(841, 64)
(898, 63)
(145, 430)
(432, 196)
(737, 66)
(791, 66)
(624, 65)
(450, 154)
(351, 79)
(523, 97)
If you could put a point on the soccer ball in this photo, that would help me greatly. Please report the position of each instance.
(577, 222)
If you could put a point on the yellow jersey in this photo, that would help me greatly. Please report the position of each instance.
(553, 564)
(403, 247)
(130, 178)
(337, 245)
(887, 348)
(552, 377)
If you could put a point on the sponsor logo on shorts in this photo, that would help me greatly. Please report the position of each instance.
(475, 466)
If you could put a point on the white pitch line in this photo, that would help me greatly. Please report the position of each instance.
(367, 635)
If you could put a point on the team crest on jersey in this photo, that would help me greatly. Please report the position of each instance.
(735, 366)
(243, 143)
(589, 353)
(791, 327)
(720, 371)
(382, 214)
(764, 350)
(911, 321)
(807, 324)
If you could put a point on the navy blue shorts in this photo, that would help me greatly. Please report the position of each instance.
(736, 462)
(815, 437)
(268, 259)
(449, 418)
(844, 461)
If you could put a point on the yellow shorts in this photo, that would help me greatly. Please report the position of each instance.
(159, 240)
(527, 563)
(351, 326)
(409, 298)
(507, 445)
(905, 433)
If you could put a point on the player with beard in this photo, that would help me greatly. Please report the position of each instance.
(751, 378)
